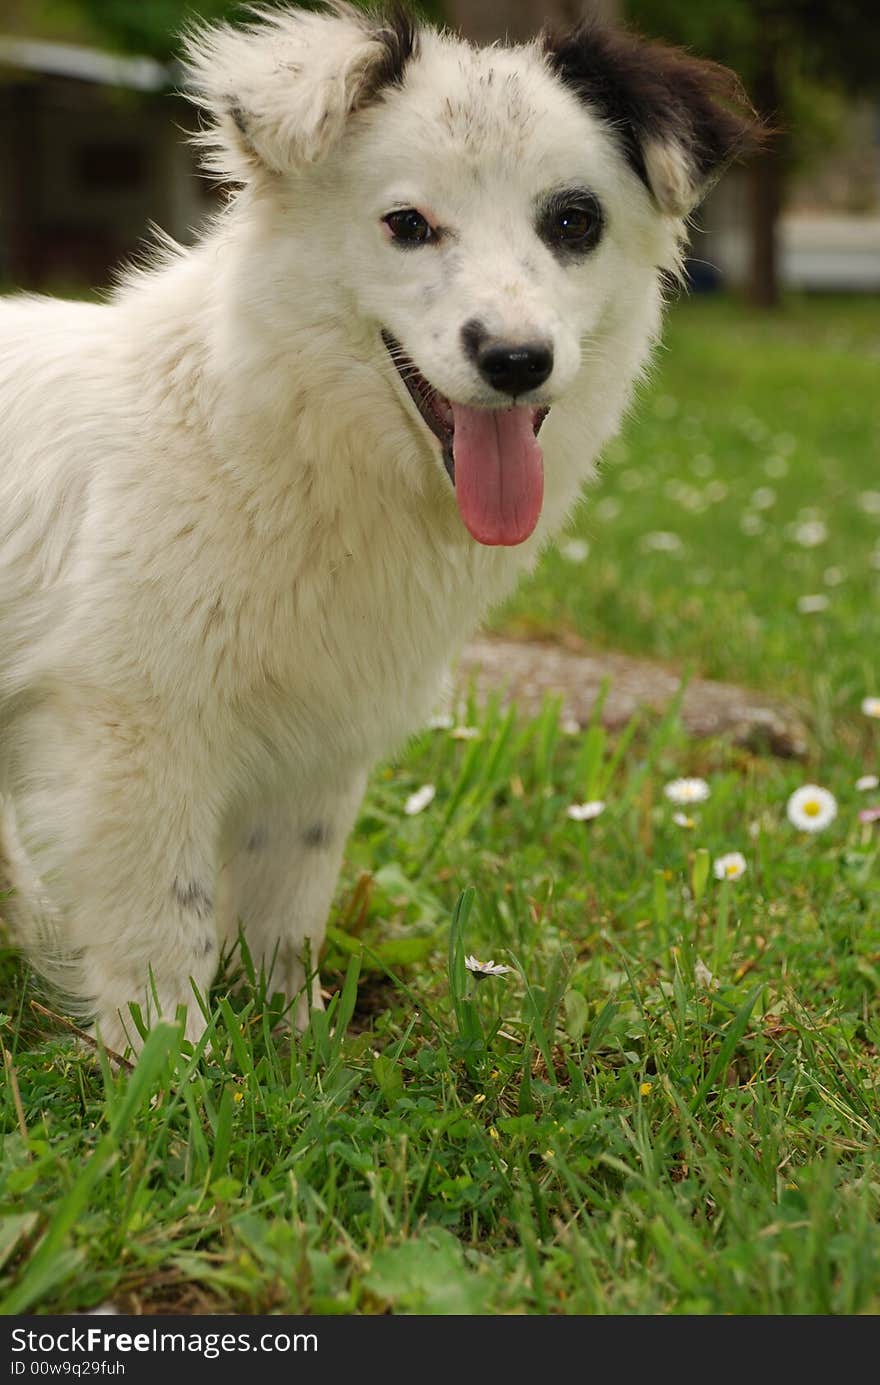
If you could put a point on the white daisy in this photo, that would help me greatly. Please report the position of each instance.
(871, 706)
(730, 866)
(585, 812)
(833, 576)
(570, 726)
(715, 492)
(776, 467)
(867, 783)
(810, 533)
(811, 808)
(870, 502)
(483, 969)
(763, 498)
(682, 820)
(575, 550)
(418, 801)
(661, 541)
(814, 603)
(465, 733)
(607, 509)
(687, 791)
(441, 722)
(687, 496)
(703, 976)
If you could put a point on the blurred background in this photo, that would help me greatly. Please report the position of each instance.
(91, 148)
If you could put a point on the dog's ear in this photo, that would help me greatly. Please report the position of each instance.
(279, 92)
(680, 119)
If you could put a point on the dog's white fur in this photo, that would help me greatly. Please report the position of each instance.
(232, 570)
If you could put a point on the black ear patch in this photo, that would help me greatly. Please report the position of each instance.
(396, 31)
(653, 95)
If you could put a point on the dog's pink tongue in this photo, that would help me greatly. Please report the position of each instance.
(499, 473)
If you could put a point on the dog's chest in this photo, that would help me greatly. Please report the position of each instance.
(337, 640)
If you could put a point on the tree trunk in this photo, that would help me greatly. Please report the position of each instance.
(518, 20)
(765, 188)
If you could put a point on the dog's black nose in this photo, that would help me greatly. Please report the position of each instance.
(515, 367)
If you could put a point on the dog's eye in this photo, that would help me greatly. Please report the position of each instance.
(572, 224)
(409, 227)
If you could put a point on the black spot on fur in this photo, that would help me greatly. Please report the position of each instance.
(257, 840)
(397, 32)
(208, 945)
(239, 119)
(649, 91)
(317, 835)
(194, 898)
(473, 336)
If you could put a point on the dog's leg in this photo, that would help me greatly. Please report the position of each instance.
(280, 884)
(117, 828)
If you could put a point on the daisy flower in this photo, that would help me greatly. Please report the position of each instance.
(441, 722)
(608, 509)
(661, 541)
(585, 812)
(703, 976)
(483, 969)
(810, 533)
(811, 808)
(867, 783)
(715, 492)
(575, 550)
(465, 733)
(871, 706)
(682, 820)
(776, 467)
(418, 801)
(763, 498)
(812, 604)
(869, 815)
(730, 866)
(687, 791)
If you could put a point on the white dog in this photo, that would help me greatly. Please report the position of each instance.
(251, 507)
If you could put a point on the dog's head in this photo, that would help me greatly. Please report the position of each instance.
(490, 214)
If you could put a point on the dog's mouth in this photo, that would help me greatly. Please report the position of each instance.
(492, 456)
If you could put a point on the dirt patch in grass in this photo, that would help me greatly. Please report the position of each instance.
(526, 672)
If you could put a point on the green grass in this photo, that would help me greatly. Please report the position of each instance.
(604, 1129)
(737, 406)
